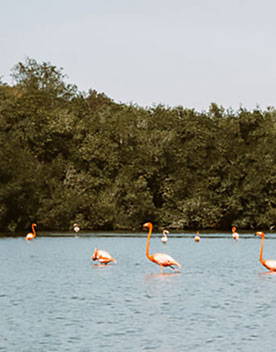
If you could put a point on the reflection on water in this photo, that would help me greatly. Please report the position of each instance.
(267, 273)
(97, 265)
(161, 276)
(53, 298)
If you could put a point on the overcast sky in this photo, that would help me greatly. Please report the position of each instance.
(174, 52)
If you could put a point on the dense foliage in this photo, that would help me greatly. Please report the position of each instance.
(69, 156)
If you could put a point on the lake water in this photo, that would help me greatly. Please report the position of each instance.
(53, 298)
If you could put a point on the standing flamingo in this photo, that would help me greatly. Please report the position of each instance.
(161, 259)
(235, 235)
(270, 264)
(164, 239)
(76, 228)
(31, 235)
(102, 256)
(197, 238)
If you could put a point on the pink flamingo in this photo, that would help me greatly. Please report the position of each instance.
(164, 239)
(270, 264)
(197, 238)
(31, 235)
(235, 235)
(102, 256)
(161, 259)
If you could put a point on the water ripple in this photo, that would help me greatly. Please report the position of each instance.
(54, 299)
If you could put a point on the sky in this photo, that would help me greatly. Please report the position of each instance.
(148, 52)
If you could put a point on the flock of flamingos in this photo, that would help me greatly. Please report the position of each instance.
(161, 259)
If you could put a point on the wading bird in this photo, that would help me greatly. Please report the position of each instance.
(76, 228)
(102, 256)
(235, 235)
(270, 264)
(164, 239)
(161, 259)
(31, 235)
(197, 238)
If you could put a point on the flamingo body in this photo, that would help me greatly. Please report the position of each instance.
(270, 264)
(102, 256)
(161, 259)
(76, 228)
(31, 235)
(236, 236)
(164, 259)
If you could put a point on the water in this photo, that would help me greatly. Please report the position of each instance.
(52, 297)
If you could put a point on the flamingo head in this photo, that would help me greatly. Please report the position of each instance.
(165, 232)
(95, 254)
(148, 224)
(261, 234)
(234, 229)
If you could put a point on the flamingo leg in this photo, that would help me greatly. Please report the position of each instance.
(161, 269)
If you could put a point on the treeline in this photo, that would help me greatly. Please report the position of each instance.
(68, 156)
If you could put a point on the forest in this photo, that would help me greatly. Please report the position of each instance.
(79, 157)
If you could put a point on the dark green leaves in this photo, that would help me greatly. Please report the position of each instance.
(71, 157)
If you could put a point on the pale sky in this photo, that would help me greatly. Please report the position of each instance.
(146, 52)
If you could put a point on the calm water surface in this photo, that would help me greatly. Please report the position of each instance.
(52, 297)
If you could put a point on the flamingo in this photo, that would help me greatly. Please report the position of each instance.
(197, 238)
(76, 228)
(102, 256)
(164, 239)
(270, 264)
(235, 235)
(31, 235)
(161, 259)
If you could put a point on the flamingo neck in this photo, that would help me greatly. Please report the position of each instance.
(95, 254)
(148, 242)
(261, 251)
(33, 229)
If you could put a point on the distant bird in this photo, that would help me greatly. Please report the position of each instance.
(197, 238)
(102, 256)
(270, 264)
(161, 259)
(31, 235)
(235, 235)
(76, 228)
(164, 239)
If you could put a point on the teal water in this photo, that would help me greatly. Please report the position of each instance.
(52, 297)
